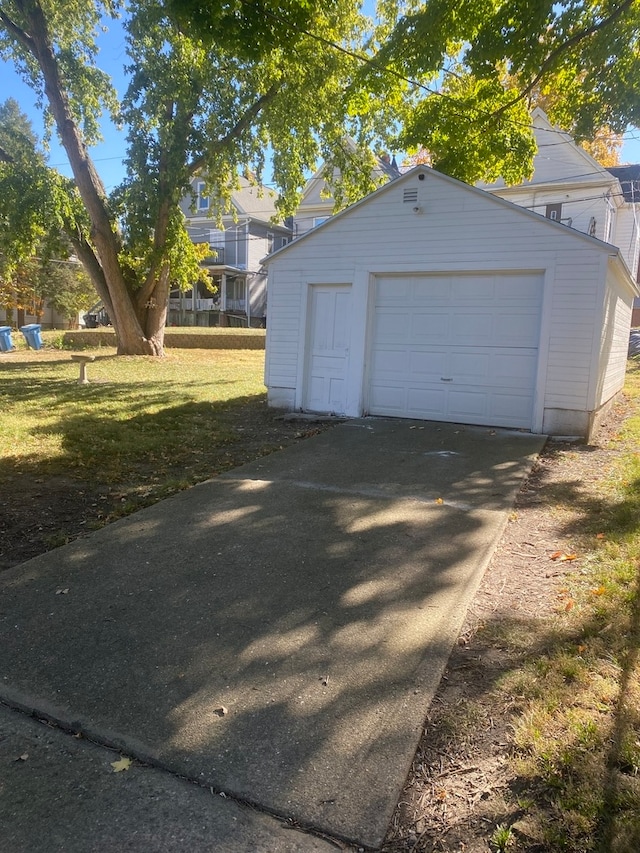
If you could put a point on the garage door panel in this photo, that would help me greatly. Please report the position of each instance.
(391, 324)
(516, 328)
(467, 403)
(394, 291)
(427, 365)
(436, 292)
(431, 327)
(470, 367)
(430, 401)
(388, 363)
(465, 351)
(473, 288)
(471, 328)
(512, 408)
(514, 369)
(523, 288)
(387, 399)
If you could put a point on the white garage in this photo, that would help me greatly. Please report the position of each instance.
(431, 299)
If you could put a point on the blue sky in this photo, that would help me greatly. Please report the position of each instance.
(109, 154)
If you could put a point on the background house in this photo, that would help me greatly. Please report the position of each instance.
(317, 202)
(246, 234)
(433, 299)
(49, 319)
(569, 186)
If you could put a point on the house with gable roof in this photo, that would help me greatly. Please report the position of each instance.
(570, 187)
(249, 230)
(317, 203)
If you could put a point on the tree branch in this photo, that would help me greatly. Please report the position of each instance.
(91, 264)
(164, 209)
(19, 34)
(240, 126)
(5, 157)
(567, 45)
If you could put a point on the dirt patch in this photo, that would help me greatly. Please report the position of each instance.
(38, 512)
(461, 787)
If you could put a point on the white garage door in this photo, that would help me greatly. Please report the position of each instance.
(460, 347)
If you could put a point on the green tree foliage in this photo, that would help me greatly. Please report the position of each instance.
(208, 96)
(36, 205)
(29, 284)
(484, 63)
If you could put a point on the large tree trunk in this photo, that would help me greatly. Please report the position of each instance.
(129, 333)
(156, 312)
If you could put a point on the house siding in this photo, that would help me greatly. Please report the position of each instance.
(585, 203)
(614, 339)
(283, 337)
(627, 237)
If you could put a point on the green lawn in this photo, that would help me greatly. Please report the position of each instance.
(136, 411)
(75, 457)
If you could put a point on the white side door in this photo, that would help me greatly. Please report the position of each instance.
(325, 386)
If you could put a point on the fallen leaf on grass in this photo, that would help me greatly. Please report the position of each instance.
(562, 556)
(569, 605)
(600, 590)
(600, 536)
(439, 501)
(123, 763)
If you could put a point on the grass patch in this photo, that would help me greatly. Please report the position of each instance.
(75, 457)
(138, 411)
(576, 742)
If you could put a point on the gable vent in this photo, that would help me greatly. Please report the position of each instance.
(410, 196)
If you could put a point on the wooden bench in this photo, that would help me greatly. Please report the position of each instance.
(83, 360)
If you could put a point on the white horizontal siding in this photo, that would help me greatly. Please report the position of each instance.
(614, 340)
(627, 236)
(283, 328)
(575, 309)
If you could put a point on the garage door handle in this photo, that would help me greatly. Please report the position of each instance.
(446, 379)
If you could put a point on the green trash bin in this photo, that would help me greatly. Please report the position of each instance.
(6, 344)
(32, 335)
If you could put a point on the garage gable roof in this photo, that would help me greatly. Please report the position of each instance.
(432, 175)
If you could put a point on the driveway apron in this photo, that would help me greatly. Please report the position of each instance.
(276, 633)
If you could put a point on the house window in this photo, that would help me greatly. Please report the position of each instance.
(554, 211)
(284, 241)
(216, 245)
(318, 220)
(202, 202)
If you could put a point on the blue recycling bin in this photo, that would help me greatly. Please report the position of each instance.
(6, 344)
(32, 335)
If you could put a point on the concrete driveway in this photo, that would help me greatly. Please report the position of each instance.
(275, 634)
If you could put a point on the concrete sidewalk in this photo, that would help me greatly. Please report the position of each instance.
(275, 634)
